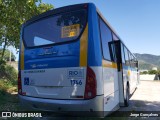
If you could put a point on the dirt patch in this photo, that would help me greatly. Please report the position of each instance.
(145, 98)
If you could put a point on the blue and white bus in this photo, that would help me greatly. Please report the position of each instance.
(72, 60)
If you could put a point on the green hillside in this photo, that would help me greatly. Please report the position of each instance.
(148, 61)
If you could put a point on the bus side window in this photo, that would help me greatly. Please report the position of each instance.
(122, 52)
(135, 63)
(114, 52)
(126, 57)
(130, 58)
(107, 43)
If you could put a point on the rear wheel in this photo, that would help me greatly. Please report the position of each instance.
(126, 101)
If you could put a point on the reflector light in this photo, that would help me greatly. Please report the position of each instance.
(91, 85)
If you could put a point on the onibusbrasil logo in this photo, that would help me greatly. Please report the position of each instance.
(21, 114)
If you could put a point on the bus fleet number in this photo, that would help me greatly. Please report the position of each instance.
(77, 82)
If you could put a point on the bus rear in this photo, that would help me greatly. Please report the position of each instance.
(53, 68)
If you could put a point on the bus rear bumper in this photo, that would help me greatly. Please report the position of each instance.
(91, 105)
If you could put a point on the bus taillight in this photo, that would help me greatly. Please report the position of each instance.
(19, 83)
(91, 85)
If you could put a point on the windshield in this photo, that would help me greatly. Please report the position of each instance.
(55, 29)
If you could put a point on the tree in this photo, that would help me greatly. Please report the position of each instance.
(13, 13)
(7, 55)
(152, 72)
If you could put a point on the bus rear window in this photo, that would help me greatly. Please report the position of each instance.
(55, 29)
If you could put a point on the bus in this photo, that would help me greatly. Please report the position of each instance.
(72, 60)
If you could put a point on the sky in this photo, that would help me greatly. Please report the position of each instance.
(137, 22)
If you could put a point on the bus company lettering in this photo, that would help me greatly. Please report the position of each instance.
(78, 73)
(35, 71)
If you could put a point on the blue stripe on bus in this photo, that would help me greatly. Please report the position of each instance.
(94, 46)
(53, 63)
(67, 56)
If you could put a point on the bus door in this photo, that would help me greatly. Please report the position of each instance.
(110, 76)
(125, 73)
(121, 71)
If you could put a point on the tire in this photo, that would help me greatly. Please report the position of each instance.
(126, 101)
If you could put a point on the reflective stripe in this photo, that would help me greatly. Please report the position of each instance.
(84, 47)
(22, 56)
(109, 64)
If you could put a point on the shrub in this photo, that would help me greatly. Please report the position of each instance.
(152, 72)
(144, 72)
(7, 72)
(10, 72)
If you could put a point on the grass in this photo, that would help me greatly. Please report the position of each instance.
(8, 94)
